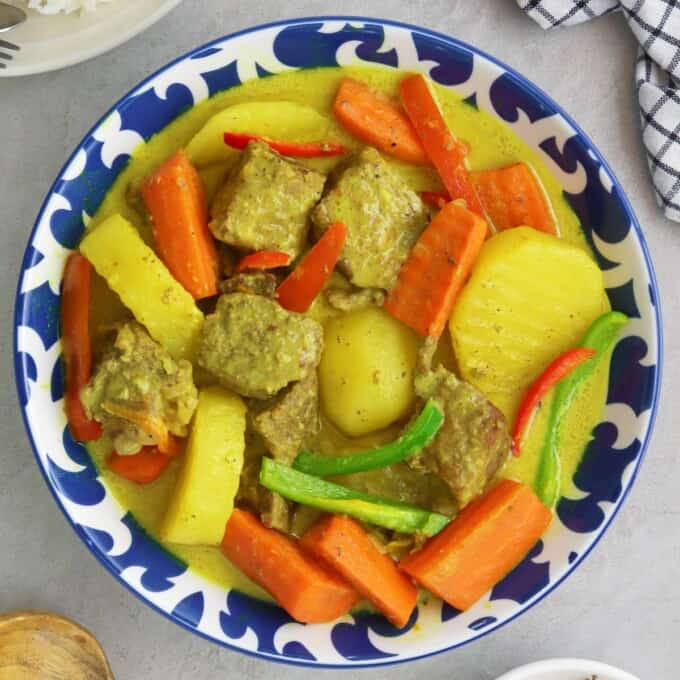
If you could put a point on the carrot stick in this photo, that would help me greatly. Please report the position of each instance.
(486, 541)
(436, 269)
(240, 140)
(437, 199)
(179, 212)
(378, 122)
(342, 543)
(263, 259)
(75, 332)
(141, 468)
(448, 155)
(298, 290)
(513, 197)
(308, 591)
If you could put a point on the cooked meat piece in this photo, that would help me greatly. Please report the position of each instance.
(384, 218)
(290, 419)
(349, 300)
(255, 283)
(265, 203)
(255, 347)
(137, 374)
(472, 444)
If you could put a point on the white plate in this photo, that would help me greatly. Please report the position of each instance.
(52, 42)
(567, 669)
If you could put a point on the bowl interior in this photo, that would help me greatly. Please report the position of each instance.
(610, 461)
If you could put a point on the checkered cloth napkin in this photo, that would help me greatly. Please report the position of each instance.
(656, 25)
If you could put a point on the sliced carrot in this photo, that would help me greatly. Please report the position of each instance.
(377, 121)
(75, 333)
(142, 468)
(240, 140)
(448, 154)
(263, 259)
(153, 425)
(342, 543)
(176, 202)
(298, 290)
(436, 269)
(513, 197)
(307, 590)
(437, 199)
(483, 543)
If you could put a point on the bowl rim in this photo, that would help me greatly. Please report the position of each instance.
(525, 84)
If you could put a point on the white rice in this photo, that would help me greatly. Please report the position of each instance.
(65, 6)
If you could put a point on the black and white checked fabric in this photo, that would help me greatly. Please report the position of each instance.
(656, 25)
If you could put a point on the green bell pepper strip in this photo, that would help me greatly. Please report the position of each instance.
(600, 337)
(416, 438)
(383, 512)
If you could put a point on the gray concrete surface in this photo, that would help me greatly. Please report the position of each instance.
(621, 606)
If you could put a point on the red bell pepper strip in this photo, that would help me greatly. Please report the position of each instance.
(559, 369)
(141, 468)
(448, 154)
(75, 331)
(240, 140)
(298, 290)
(437, 199)
(263, 259)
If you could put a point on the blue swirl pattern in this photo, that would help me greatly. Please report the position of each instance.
(236, 620)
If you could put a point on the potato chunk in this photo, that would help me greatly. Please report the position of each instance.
(531, 297)
(366, 370)
(204, 495)
(145, 286)
(279, 120)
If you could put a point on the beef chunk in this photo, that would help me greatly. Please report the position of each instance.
(384, 218)
(137, 374)
(255, 283)
(290, 419)
(255, 347)
(265, 203)
(273, 509)
(472, 444)
(350, 300)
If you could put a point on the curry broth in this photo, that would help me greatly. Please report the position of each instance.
(491, 144)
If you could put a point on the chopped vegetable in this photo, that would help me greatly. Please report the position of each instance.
(513, 197)
(263, 259)
(437, 199)
(153, 425)
(309, 490)
(308, 591)
(448, 155)
(530, 297)
(240, 140)
(204, 494)
(345, 546)
(298, 290)
(481, 545)
(377, 121)
(144, 284)
(558, 369)
(281, 120)
(141, 468)
(436, 269)
(417, 436)
(599, 337)
(176, 201)
(75, 332)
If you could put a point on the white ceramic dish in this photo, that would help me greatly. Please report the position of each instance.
(567, 669)
(49, 43)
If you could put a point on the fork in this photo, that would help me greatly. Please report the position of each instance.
(10, 17)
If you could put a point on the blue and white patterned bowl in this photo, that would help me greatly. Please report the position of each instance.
(611, 460)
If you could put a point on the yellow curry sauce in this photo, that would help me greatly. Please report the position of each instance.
(491, 143)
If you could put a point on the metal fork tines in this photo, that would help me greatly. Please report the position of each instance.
(6, 56)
